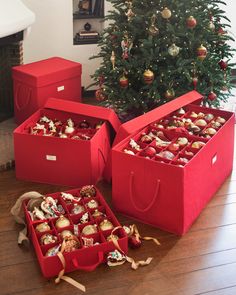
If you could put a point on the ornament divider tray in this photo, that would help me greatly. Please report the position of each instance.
(86, 256)
(168, 188)
(65, 161)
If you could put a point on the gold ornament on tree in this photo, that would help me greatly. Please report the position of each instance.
(148, 77)
(113, 59)
(130, 14)
(153, 30)
(166, 13)
(169, 94)
(201, 52)
(173, 50)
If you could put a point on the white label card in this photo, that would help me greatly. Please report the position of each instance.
(60, 88)
(214, 159)
(51, 157)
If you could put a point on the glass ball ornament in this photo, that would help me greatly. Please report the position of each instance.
(173, 50)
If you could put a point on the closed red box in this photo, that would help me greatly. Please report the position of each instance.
(83, 258)
(162, 192)
(35, 82)
(65, 161)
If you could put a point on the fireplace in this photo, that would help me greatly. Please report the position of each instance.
(15, 21)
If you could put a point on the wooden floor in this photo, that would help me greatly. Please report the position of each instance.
(201, 262)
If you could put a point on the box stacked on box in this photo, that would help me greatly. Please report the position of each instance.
(35, 82)
(79, 218)
(165, 173)
(65, 143)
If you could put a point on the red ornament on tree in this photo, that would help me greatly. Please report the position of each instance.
(191, 22)
(195, 81)
(223, 65)
(201, 52)
(99, 95)
(124, 82)
(221, 31)
(212, 96)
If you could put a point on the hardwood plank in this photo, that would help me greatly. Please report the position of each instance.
(225, 291)
(222, 199)
(216, 216)
(206, 280)
(227, 188)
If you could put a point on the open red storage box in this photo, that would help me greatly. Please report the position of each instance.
(65, 161)
(170, 193)
(85, 257)
(35, 82)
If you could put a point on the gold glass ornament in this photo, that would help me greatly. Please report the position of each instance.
(153, 30)
(92, 204)
(201, 52)
(106, 225)
(66, 233)
(166, 13)
(148, 76)
(113, 59)
(170, 94)
(42, 227)
(97, 213)
(62, 221)
(89, 229)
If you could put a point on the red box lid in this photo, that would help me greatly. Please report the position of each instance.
(101, 113)
(140, 122)
(47, 71)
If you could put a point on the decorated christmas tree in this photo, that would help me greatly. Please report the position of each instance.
(154, 51)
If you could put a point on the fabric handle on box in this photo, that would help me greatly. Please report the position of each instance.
(132, 195)
(100, 152)
(89, 267)
(18, 214)
(28, 96)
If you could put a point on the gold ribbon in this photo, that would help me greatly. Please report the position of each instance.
(61, 273)
(18, 213)
(133, 230)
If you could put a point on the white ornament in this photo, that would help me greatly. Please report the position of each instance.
(173, 50)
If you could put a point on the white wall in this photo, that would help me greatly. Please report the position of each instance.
(52, 34)
(230, 13)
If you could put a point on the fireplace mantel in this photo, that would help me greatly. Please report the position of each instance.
(14, 17)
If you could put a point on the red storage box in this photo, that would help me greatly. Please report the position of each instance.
(35, 82)
(85, 257)
(65, 161)
(170, 190)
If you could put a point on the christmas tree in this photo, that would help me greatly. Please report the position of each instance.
(154, 51)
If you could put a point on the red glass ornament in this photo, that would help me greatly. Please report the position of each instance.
(99, 95)
(191, 22)
(124, 82)
(221, 31)
(212, 96)
(223, 65)
(195, 81)
(134, 242)
(149, 152)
